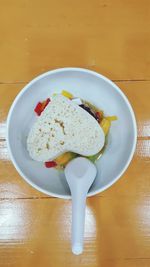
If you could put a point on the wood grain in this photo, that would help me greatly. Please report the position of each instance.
(113, 38)
(42, 235)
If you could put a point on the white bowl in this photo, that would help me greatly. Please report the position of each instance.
(92, 87)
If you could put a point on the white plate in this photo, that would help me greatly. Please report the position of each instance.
(92, 87)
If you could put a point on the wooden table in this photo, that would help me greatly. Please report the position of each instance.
(111, 37)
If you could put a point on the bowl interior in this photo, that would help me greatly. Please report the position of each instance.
(93, 88)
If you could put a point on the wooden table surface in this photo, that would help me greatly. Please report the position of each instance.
(111, 37)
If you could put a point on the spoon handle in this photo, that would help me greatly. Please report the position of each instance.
(80, 174)
(78, 221)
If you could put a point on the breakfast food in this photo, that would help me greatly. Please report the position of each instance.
(66, 128)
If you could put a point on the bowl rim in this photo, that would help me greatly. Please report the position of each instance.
(25, 88)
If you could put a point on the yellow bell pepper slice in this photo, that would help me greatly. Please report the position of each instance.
(65, 158)
(67, 94)
(105, 124)
(112, 118)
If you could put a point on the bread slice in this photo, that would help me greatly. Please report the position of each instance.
(64, 126)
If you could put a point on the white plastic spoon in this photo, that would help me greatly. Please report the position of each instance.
(80, 174)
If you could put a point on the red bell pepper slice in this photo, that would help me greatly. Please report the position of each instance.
(38, 109)
(45, 103)
(50, 164)
(41, 106)
(99, 116)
